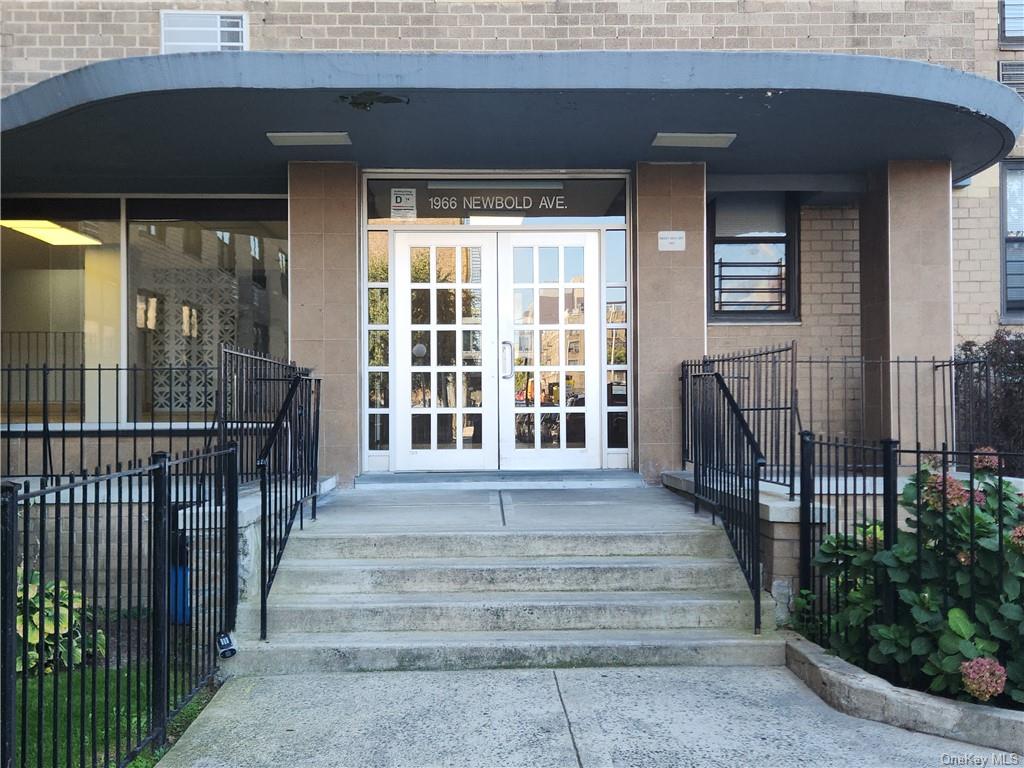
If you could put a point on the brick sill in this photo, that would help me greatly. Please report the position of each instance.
(752, 323)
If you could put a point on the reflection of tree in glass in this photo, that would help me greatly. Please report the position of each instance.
(419, 265)
(377, 306)
(378, 253)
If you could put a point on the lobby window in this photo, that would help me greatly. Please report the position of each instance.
(203, 284)
(190, 31)
(1013, 242)
(752, 274)
(1011, 24)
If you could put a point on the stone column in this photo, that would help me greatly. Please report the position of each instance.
(324, 301)
(671, 306)
(906, 294)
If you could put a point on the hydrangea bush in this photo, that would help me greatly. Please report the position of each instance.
(957, 568)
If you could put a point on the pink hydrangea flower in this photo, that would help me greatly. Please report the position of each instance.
(979, 497)
(1017, 538)
(983, 678)
(986, 459)
(938, 486)
(964, 557)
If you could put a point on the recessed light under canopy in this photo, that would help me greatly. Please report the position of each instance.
(309, 138)
(694, 140)
(48, 232)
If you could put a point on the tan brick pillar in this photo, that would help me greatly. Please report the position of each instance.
(906, 291)
(324, 301)
(671, 310)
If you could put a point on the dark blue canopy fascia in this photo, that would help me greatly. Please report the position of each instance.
(198, 122)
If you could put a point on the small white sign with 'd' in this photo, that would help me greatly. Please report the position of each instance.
(403, 203)
(672, 241)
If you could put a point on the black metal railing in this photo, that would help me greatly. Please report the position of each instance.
(763, 383)
(288, 472)
(113, 589)
(930, 401)
(60, 420)
(253, 387)
(57, 349)
(744, 286)
(728, 465)
(895, 536)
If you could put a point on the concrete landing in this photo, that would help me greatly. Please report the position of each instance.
(683, 717)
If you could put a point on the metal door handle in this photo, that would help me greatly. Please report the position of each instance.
(507, 362)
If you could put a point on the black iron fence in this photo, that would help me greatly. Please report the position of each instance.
(728, 468)
(57, 349)
(911, 560)
(927, 401)
(287, 465)
(113, 588)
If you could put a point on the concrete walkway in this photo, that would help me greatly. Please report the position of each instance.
(570, 718)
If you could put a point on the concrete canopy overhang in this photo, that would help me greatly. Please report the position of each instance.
(198, 122)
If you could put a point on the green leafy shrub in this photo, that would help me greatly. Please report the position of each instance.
(56, 615)
(956, 578)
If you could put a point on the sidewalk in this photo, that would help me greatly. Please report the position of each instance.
(540, 718)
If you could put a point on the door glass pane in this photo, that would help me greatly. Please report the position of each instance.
(419, 306)
(421, 347)
(548, 306)
(573, 306)
(378, 352)
(524, 430)
(574, 352)
(377, 306)
(616, 346)
(471, 265)
(573, 264)
(550, 428)
(549, 354)
(615, 256)
(523, 306)
(549, 386)
(378, 389)
(445, 390)
(447, 434)
(547, 265)
(524, 389)
(524, 348)
(575, 389)
(378, 257)
(617, 390)
(471, 306)
(446, 348)
(421, 431)
(379, 432)
(472, 430)
(446, 306)
(472, 390)
(445, 266)
(575, 430)
(420, 390)
(522, 265)
(616, 307)
(419, 266)
(618, 429)
(471, 348)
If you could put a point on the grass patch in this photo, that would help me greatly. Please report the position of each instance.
(120, 722)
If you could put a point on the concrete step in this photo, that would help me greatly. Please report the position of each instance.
(509, 611)
(319, 542)
(552, 574)
(289, 653)
(500, 480)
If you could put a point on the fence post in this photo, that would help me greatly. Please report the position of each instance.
(161, 491)
(890, 517)
(231, 532)
(8, 589)
(264, 544)
(806, 505)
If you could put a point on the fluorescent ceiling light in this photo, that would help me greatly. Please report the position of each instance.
(48, 232)
(309, 138)
(696, 140)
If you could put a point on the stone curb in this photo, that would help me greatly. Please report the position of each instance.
(853, 691)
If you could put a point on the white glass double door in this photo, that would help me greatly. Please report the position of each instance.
(497, 350)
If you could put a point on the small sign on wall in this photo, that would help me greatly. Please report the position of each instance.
(672, 241)
(403, 203)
